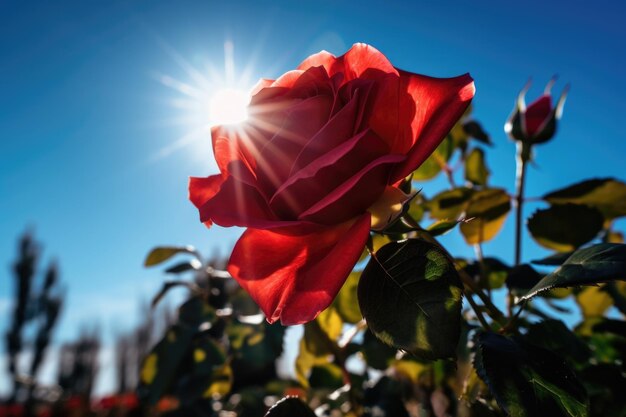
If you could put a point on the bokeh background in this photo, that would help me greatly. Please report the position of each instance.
(104, 113)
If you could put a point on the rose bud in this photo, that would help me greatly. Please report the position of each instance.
(318, 164)
(535, 123)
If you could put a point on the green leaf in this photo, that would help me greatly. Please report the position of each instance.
(555, 259)
(449, 205)
(565, 227)
(410, 294)
(167, 286)
(554, 336)
(606, 194)
(617, 292)
(488, 210)
(436, 161)
(377, 355)
(163, 253)
(597, 263)
(203, 369)
(196, 311)
(521, 279)
(290, 407)
(326, 375)
(526, 380)
(346, 303)
(159, 368)
(441, 227)
(475, 130)
(476, 170)
(192, 265)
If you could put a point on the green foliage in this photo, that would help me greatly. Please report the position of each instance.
(290, 407)
(565, 227)
(476, 170)
(162, 254)
(598, 263)
(526, 380)
(487, 210)
(410, 295)
(606, 194)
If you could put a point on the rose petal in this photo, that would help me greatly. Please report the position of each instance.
(354, 195)
(345, 124)
(275, 159)
(294, 273)
(536, 114)
(353, 64)
(231, 156)
(261, 84)
(313, 182)
(239, 204)
(202, 190)
(433, 107)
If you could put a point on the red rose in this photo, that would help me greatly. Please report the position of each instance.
(315, 167)
(535, 123)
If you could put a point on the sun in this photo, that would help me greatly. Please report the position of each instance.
(228, 106)
(206, 97)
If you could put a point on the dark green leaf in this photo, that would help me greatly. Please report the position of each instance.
(326, 375)
(159, 368)
(597, 263)
(555, 259)
(526, 380)
(487, 210)
(410, 294)
(554, 336)
(606, 385)
(476, 170)
(168, 286)
(449, 205)
(475, 130)
(163, 253)
(565, 227)
(606, 194)
(376, 354)
(441, 227)
(192, 265)
(618, 294)
(521, 279)
(387, 397)
(196, 311)
(290, 407)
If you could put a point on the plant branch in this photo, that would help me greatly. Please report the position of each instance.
(479, 314)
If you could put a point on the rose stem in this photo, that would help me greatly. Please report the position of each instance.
(478, 250)
(521, 158)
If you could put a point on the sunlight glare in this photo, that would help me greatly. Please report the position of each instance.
(228, 106)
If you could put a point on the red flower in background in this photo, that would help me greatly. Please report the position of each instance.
(316, 166)
(535, 123)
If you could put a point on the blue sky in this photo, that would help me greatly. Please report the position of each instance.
(87, 125)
